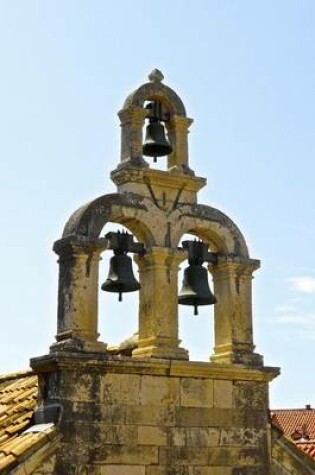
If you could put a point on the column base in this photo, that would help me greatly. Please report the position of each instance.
(160, 348)
(239, 353)
(78, 346)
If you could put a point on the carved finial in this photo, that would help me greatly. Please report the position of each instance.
(156, 76)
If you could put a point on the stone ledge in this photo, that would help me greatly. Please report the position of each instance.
(103, 363)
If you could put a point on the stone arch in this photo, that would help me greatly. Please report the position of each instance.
(212, 226)
(79, 253)
(156, 90)
(133, 115)
(125, 209)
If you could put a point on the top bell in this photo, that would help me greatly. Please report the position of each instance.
(156, 144)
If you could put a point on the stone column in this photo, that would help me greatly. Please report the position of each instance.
(233, 311)
(77, 295)
(132, 122)
(158, 307)
(178, 132)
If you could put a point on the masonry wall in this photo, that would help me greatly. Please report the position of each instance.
(158, 417)
(287, 459)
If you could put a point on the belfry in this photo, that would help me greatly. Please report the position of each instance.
(154, 411)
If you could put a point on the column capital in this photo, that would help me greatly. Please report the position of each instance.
(75, 246)
(134, 115)
(180, 123)
(234, 265)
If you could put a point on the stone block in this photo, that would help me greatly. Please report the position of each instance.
(123, 470)
(250, 418)
(223, 394)
(113, 414)
(151, 435)
(242, 437)
(159, 390)
(120, 388)
(212, 471)
(203, 417)
(79, 386)
(251, 395)
(167, 470)
(182, 456)
(124, 455)
(223, 457)
(81, 411)
(250, 456)
(195, 437)
(233, 457)
(118, 434)
(150, 415)
(196, 392)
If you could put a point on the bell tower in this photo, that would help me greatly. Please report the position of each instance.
(156, 412)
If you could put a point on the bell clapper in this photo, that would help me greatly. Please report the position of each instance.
(120, 296)
(196, 309)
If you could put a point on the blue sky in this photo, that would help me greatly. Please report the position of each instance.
(245, 71)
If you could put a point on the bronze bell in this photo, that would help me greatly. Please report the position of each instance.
(196, 290)
(120, 277)
(156, 143)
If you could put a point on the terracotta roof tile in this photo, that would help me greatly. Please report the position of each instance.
(291, 420)
(18, 399)
(295, 422)
(307, 447)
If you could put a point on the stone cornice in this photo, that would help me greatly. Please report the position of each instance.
(104, 363)
(158, 178)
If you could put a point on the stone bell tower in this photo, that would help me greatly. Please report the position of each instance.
(155, 412)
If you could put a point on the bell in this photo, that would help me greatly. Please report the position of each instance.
(156, 143)
(196, 290)
(120, 277)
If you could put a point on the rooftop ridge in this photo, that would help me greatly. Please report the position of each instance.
(18, 374)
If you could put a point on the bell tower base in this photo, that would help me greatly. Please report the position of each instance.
(153, 417)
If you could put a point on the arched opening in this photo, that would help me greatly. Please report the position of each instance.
(156, 139)
(195, 331)
(117, 321)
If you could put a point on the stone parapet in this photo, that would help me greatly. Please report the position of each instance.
(157, 416)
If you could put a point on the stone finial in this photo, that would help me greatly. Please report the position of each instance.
(156, 76)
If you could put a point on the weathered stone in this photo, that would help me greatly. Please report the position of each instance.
(204, 417)
(183, 456)
(126, 455)
(196, 392)
(151, 435)
(151, 415)
(123, 469)
(162, 390)
(223, 394)
(150, 411)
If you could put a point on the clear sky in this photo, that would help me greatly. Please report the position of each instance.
(245, 71)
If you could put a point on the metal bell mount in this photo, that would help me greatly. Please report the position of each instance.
(196, 290)
(156, 143)
(120, 277)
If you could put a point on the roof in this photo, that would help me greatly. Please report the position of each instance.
(18, 437)
(292, 420)
(307, 447)
(299, 426)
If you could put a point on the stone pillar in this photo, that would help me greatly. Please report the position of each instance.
(233, 311)
(132, 122)
(77, 295)
(158, 311)
(178, 132)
